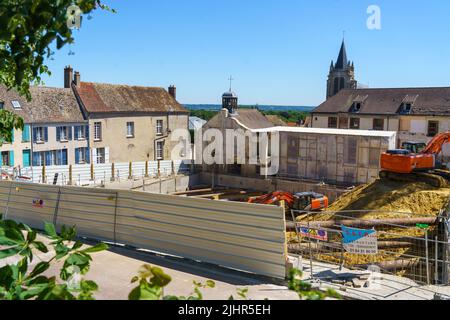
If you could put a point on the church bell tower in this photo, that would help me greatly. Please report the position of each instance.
(342, 74)
(230, 100)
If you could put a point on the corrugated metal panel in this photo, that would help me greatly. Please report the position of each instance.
(235, 235)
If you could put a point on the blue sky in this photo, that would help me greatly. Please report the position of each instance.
(278, 51)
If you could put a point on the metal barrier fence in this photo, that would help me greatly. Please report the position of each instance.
(418, 249)
(230, 234)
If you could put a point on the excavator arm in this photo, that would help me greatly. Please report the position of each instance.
(436, 144)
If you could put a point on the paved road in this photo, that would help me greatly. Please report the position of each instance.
(113, 270)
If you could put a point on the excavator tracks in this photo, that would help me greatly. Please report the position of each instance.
(435, 178)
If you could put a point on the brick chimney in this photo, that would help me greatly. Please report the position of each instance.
(173, 91)
(68, 76)
(77, 79)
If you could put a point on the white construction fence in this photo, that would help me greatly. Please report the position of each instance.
(235, 235)
(94, 174)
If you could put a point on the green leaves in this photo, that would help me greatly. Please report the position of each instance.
(97, 248)
(305, 289)
(152, 280)
(39, 268)
(28, 30)
(50, 230)
(19, 283)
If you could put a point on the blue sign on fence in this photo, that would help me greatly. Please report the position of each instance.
(359, 241)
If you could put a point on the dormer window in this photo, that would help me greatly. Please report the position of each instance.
(356, 107)
(358, 103)
(2, 105)
(406, 108)
(407, 104)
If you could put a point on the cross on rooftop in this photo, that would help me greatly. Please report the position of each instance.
(230, 79)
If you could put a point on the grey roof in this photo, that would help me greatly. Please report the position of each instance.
(342, 61)
(230, 94)
(388, 101)
(252, 119)
(48, 105)
(276, 120)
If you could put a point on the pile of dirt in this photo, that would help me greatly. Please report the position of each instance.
(391, 200)
(398, 199)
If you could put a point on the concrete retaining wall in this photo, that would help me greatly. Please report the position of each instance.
(270, 185)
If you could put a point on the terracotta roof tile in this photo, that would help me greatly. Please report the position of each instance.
(101, 98)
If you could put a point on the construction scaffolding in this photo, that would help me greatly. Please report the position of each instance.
(416, 246)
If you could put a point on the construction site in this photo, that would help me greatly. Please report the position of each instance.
(266, 225)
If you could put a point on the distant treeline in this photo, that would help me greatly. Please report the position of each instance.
(286, 116)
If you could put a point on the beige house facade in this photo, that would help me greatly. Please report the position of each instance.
(130, 123)
(95, 123)
(134, 138)
(416, 114)
(50, 136)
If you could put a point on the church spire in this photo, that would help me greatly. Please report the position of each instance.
(342, 61)
(342, 74)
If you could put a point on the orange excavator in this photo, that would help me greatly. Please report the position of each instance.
(308, 201)
(407, 165)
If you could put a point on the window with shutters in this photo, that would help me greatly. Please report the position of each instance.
(80, 132)
(26, 133)
(39, 134)
(378, 124)
(81, 155)
(100, 156)
(38, 159)
(97, 131)
(332, 122)
(159, 127)
(433, 128)
(5, 158)
(354, 123)
(160, 150)
(64, 134)
(343, 123)
(130, 129)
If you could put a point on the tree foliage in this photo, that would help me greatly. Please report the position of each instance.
(8, 122)
(28, 29)
(305, 290)
(18, 281)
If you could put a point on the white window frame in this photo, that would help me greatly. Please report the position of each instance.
(40, 135)
(81, 156)
(16, 105)
(81, 134)
(100, 158)
(159, 150)
(97, 131)
(130, 129)
(63, 134)
(159, 127)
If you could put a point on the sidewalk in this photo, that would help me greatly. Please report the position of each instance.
(113, 270)
(384, 287)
